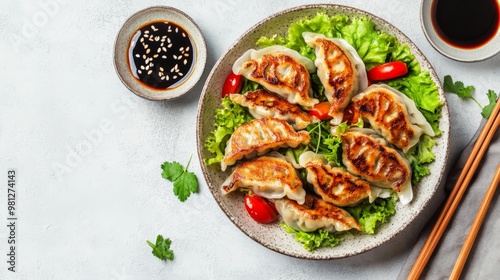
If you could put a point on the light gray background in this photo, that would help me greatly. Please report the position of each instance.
(90, 220)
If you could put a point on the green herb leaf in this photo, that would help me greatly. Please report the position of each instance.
(172, 171)
(185, 183)
(162, 248)
(492, 98)
(457, 87)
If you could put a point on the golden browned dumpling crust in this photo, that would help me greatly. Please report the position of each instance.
(260, 135)
(362, 155)
(269, 177)
(335, 185)
(280, 71)
(262, 103)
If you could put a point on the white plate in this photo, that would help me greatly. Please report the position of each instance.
(483, 52)
(273, 236)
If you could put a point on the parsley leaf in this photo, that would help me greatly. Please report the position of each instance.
(457, 88)
(463, 92)
(492, 98)
(162, 248)
(172, 171)
(185, 183)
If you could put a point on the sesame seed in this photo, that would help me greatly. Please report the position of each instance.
(150, 71)
(157, 38)
(175, 57)
(186, 54)
(142, 67)
(187, 48)
(155, 56)
(145, 46)
(164, 49)
(169, 46)
(161, 69)
(175, 77)
(147, 32)
(164, 56)
(162, 77)
(172, 70)
(151, 64)
(147, 67)
(139, 71)
(180, 74)
(143, 56)
(158, 50)
(183, 34)
(168, 78)
(181, 49)
(176, 30)
(148, 51)
(137, 55)
(153, 27)
(169, 41)
(185, 61)
(141, 40)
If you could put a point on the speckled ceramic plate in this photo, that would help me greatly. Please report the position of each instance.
(130, 27)
(272, 236)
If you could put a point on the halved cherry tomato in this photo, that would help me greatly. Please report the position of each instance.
(232, 84)
(260, 209)
(321, 110)
(351, 114)
(387, 71)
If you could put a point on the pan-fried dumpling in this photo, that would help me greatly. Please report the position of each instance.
(340, 70)
(364, 156)
(262, 103)
(269, 177)
(335, 185)
(315, 214)
(280, 70)
(259, 136)
(393, 115)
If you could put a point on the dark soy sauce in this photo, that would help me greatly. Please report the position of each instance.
(466, 24)
(161, 55)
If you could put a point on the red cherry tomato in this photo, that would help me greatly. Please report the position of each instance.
(260, 209)
(351, 114)
(387, 71)
(321, 110)
(231, 85)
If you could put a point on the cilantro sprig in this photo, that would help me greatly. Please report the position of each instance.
(162, 248)
(185, 183)
(465, 92)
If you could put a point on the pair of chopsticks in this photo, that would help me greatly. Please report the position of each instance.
(477, 153)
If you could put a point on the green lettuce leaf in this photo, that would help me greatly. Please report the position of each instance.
(227, 118)
(372, 46)
(323, 142)
(420, 156)
(369, 215)
(313, 240)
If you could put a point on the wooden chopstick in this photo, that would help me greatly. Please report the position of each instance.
(456, 194)
(469, 241)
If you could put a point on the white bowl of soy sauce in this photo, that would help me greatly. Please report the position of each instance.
(463, 30)
(160, 53)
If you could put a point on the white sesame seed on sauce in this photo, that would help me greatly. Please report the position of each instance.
(148, 54)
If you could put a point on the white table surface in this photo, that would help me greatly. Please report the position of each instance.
(90, 220)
